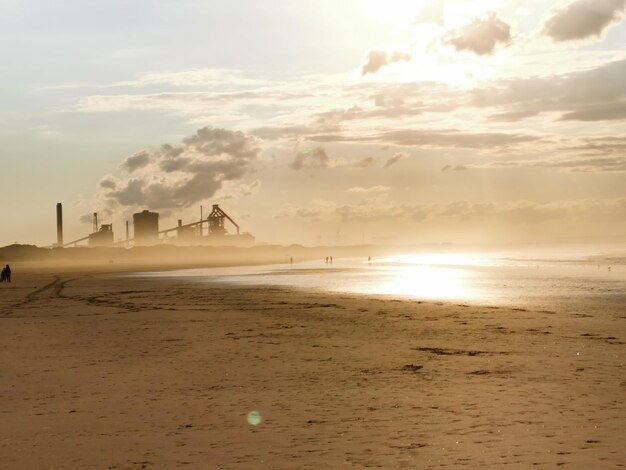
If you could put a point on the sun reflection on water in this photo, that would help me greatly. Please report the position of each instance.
(442, 276)
(426, 282)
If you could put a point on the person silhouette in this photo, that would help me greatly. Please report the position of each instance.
(7, 273)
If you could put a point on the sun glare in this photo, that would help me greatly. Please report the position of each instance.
(434, 276)
(428, 282)
(392, 11)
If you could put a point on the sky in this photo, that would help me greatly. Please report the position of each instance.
(317, 122)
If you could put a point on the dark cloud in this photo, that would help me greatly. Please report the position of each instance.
(108, 183)
(481, 36)
(183, 174)
(583, 19)
(314, 158)
(378, 59)
(395, 159)
(592, 95)
(598, 147)
(169, 165)
(603, 112)
(136, 161)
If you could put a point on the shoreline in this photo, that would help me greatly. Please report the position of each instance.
(155, 373)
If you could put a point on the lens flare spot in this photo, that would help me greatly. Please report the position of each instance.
(254, 418)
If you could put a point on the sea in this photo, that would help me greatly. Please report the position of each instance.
(541, 279)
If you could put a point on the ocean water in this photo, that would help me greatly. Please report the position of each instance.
(534, 280)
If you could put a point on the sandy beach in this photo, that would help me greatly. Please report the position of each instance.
(102, 371)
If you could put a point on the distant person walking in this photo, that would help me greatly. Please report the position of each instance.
(6, 274)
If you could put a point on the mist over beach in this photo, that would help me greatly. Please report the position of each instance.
(277, 234)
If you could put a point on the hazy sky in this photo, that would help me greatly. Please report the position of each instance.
(317, 121)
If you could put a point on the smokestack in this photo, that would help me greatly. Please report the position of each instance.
(127, 234)
(59, 224)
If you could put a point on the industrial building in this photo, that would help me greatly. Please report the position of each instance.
(217, 234)
(146, 228)
(103, 237)
(146, 231)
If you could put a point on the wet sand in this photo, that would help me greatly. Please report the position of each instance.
(101, 371)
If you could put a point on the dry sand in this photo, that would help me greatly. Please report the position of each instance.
(101, 371)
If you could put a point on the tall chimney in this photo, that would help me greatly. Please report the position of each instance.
(127, 233)
(59, 224)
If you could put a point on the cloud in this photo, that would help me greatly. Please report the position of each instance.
(434, 138)
(578, 164)
(192, 103)
(481, 36)
(592, 95)
(470, 214)
(183, 174)
(136, 161)
(108, 183)
(314, 158)
(290, 132)
(86, 219)
(375, 61)
(378, 59)
(251, 189)
(395, 159)
(371, 189)
(603, 112)
(583, 19)
(355, 113)
(599, 147)
(454, 168)
(453, 138)
(365, 162)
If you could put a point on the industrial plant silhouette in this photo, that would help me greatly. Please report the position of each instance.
(146, 231)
